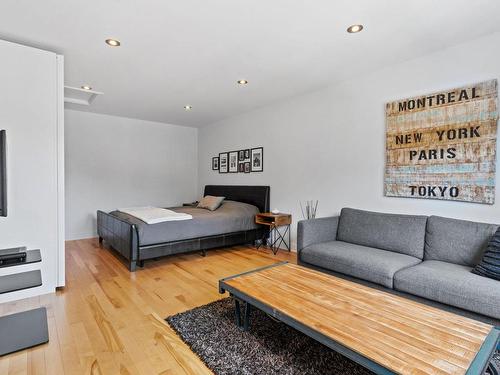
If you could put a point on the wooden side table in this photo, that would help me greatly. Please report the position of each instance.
(279, 229)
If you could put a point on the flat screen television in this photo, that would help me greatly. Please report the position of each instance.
(3, 173)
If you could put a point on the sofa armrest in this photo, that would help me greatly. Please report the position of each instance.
(314, 231)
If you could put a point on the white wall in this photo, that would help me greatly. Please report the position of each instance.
(29, 102)
(330, 144)
(114, 162)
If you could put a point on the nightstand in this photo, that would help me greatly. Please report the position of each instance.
(279, 229)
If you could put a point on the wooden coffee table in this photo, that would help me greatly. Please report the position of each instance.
(385, 333)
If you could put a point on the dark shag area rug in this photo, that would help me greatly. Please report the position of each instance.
(268, 348)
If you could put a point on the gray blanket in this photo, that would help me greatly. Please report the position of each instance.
(230, 217)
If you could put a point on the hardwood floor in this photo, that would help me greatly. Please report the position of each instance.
(109, 321)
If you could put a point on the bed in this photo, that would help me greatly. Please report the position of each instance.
(231, 224)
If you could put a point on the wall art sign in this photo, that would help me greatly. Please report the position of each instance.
(443, 145)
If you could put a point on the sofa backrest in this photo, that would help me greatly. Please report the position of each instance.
(403, 234)
(456, 241)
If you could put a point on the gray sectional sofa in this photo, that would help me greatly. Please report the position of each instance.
(428, 259)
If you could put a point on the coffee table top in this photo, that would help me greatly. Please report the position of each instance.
(396, 333)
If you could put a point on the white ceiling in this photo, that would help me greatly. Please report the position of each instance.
(192, 51)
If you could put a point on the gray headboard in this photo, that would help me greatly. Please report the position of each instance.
(255, 195)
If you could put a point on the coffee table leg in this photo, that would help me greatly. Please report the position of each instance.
(246, 317)
(246, 314)
(237, 313)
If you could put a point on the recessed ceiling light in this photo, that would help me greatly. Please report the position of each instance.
(113, 42)
(242, 82)
(86, 87)
(354, 29)
(188, 107)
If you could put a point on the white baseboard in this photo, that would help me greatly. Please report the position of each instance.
(80, 236)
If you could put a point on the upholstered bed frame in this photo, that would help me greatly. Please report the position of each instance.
(123, 236)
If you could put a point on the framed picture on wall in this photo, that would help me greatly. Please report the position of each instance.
(257, 159)
(244, 155)
(247, 167)
(223, 162)
(241, 167)
(215, 163)
(233, 162)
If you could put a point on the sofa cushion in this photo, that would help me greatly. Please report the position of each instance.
(456, 241)
(375, 265)
(489, 266)
(404, 234)
(451, 284)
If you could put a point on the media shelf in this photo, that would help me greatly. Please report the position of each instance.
(23, 330)
(20, 281)
(28, 328)
(32, 256)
